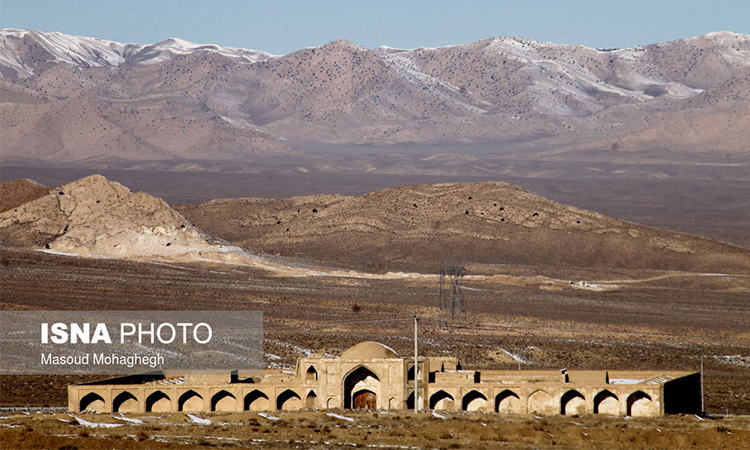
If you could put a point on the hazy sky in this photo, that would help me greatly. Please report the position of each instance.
(278, 26)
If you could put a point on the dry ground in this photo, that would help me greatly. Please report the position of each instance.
(660, 322)
(373, 429)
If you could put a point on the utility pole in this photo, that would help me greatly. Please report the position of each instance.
(416, 367)
(703, 408)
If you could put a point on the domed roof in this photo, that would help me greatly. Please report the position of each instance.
(369, 350)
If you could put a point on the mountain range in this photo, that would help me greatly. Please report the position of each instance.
(67, 99)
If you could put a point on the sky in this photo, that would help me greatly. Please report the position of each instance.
(284, 26)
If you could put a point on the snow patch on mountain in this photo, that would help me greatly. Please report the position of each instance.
(50, 48)
(403, 64)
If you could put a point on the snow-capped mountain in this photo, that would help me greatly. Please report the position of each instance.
(23, 51)
(67, 98)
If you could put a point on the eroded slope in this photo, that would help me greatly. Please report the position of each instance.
(420, 227)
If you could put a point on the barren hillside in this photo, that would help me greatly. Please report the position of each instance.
(17, 192)
(420, 227)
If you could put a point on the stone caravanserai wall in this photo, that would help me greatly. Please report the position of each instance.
(370, 375)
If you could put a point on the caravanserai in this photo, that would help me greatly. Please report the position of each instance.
(371, 375)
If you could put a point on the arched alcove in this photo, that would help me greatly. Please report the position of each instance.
(311, 401)
(474, 401)
(606, 402)
(508, 402)
(639, 404)
(572, 403)
(158, 402)
(256, 401)
(289, 400)
(223, 401)
(125, 402)
(93, 402)
(190, 401)
(540, 402)
(441, 400)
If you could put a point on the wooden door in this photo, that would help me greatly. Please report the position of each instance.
(365, 400)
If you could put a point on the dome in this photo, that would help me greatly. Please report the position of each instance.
(369, 350)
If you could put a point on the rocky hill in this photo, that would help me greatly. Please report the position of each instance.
(420, 227)
(67, 98)
(100, 218)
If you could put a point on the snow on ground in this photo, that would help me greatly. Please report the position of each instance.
(295, 348)
(348, 419)
(736, 360)
(199, 420)
(269, 417)
(86, 423)
(514, 356)
(128, 419)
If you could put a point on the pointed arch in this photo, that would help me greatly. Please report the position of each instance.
(288, 400)
(474, 401)
(158, 402)
(572, 402)
(540, 402)
(312, 374)
(223, 401)
(441, 400)
(605, 402)
(190, 401)
(410, 373)
(125, 402)
(362, 383)
(410, 402)
(93, 401)
(256, 401)
(638, 404)
(311, 402)
(508, 402)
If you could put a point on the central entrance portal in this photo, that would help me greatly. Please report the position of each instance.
(361, 389)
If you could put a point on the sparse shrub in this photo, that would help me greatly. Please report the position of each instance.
(356, 308)
(142, 436)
